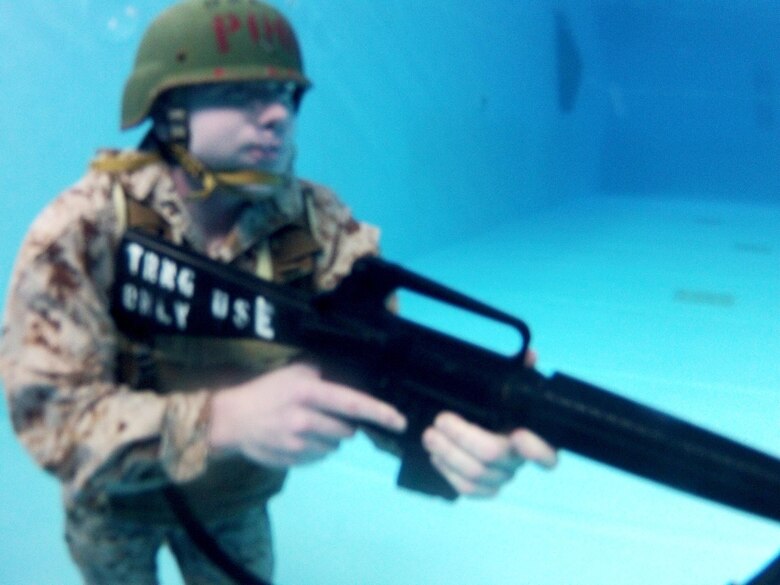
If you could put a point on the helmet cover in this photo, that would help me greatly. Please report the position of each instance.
(210, 41)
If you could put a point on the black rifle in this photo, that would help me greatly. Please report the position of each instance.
(769, 575)
(165, 289)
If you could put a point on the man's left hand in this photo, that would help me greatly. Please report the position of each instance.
(477, 462)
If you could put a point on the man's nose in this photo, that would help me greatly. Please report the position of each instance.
(269, 115)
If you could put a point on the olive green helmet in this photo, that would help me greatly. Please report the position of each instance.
(210, 41)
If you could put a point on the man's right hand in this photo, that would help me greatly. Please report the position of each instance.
(292, 416)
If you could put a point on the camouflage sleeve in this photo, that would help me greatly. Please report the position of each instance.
(343, 238)
(57, 358)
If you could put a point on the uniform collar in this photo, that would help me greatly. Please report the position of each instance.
(149, 180)
(260, 220)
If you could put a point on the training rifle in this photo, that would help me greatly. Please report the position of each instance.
(164, 289)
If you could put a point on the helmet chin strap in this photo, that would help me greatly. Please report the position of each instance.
(171, 138)
(210, 180)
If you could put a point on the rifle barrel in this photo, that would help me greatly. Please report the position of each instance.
(582, 418)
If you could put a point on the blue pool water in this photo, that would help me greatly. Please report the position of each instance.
(608, 170)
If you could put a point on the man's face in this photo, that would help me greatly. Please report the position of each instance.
(242, 126)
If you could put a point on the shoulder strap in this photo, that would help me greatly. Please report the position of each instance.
(133, 214)
(293, 250)
(135, 363)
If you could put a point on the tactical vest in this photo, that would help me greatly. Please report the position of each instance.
(168, 363)
(287, 256)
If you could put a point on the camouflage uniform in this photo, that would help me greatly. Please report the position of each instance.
(113, 445)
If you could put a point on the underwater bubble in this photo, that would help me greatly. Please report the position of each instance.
(118, 24)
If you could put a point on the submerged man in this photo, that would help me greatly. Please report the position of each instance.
(117, 420)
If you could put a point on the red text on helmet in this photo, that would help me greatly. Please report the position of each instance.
(262, 29)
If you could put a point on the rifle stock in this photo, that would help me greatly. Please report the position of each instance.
(164, 289)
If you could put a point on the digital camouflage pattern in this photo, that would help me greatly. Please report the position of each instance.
(110, 444)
